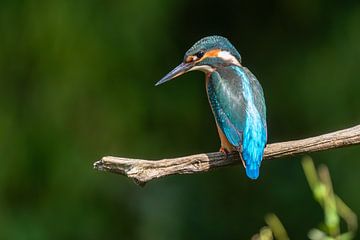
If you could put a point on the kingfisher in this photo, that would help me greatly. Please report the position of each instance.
(235, 96)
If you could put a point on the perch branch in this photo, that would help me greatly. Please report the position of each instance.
(143, 171)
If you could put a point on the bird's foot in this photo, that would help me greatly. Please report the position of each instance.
(224, 151)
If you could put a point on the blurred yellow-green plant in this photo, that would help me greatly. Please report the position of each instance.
(333, 206)
(274, 229)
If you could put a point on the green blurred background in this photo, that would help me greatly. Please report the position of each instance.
(77, 82)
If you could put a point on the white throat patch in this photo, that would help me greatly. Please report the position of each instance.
(228, 57)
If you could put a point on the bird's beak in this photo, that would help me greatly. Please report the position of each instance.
(179, 70)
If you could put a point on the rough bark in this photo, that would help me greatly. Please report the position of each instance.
(142, 171)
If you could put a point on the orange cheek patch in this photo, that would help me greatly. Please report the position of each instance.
(212, 53)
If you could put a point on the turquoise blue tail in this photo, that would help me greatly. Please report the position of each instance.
(253, 149)
(252, 155)
(252, 172)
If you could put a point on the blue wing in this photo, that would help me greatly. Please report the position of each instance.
(237, 101)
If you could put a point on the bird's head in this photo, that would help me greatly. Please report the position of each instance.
(206, 55)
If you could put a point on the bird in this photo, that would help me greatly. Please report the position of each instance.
(235, 96)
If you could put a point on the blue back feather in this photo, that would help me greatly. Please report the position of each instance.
(237, 100)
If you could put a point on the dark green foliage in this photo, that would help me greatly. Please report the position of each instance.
(76, 83)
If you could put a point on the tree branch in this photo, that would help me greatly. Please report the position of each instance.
(142, 171)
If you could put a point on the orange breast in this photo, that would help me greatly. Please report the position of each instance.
(224, 142)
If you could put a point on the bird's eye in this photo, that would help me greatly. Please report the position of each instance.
(200, 54)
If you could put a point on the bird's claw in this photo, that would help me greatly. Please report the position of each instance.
(224, 151)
